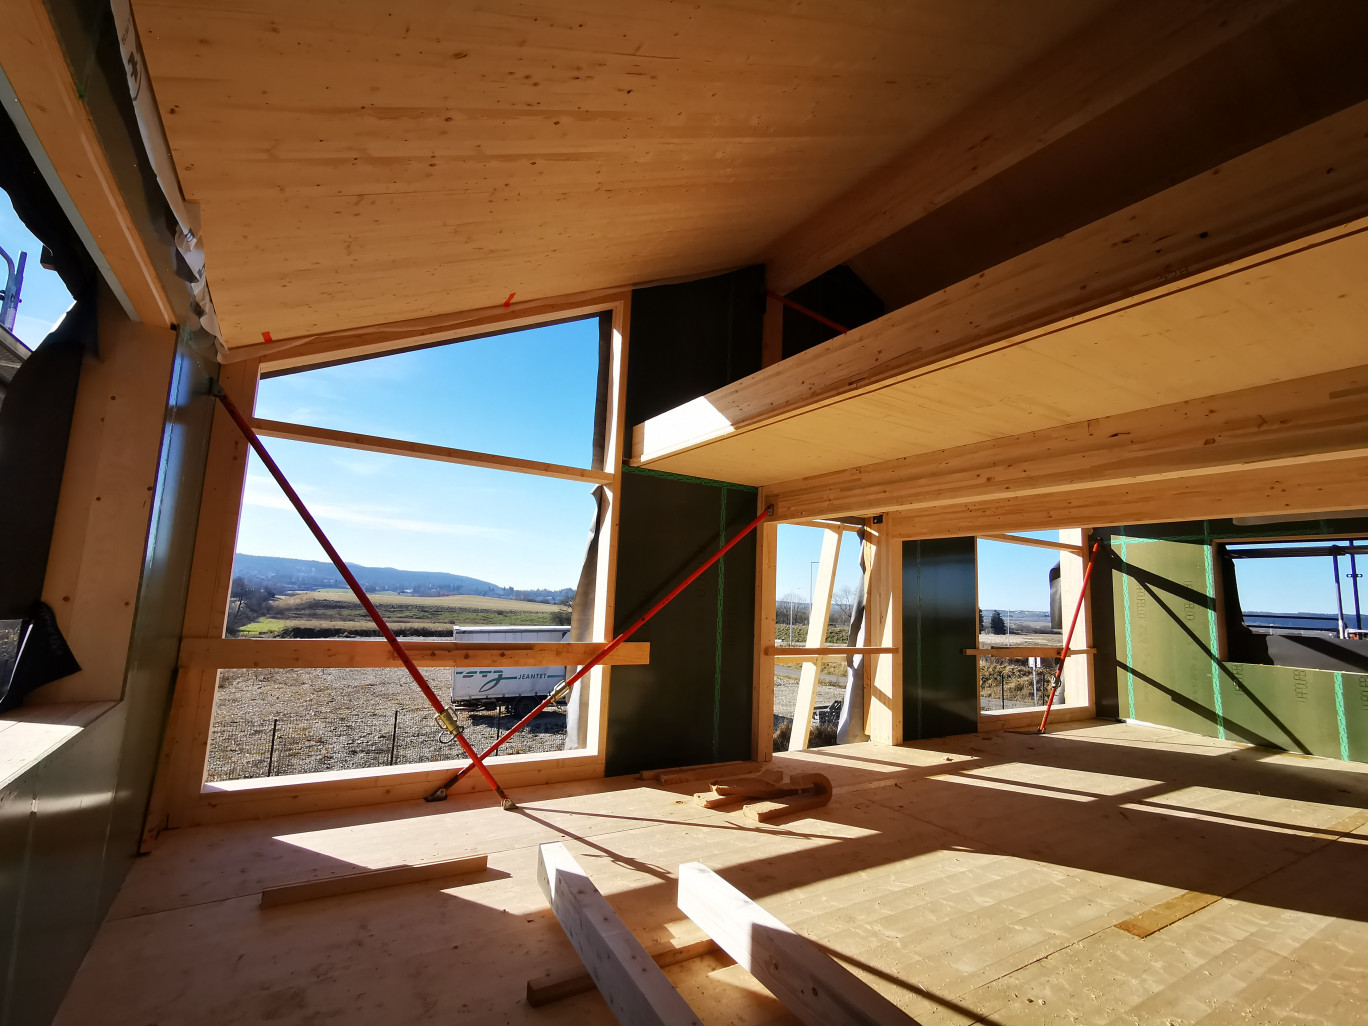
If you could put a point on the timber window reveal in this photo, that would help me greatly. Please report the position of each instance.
(1028, 587)
(522, 427)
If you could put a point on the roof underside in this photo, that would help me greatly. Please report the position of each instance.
(356, 165)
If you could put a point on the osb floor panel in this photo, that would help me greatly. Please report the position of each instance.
(977, 879)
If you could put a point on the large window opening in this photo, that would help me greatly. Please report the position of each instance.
(1297, 603)
(450, 547)
(818, 582)
(1024, 612)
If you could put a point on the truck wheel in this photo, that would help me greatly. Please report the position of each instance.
(523, 706)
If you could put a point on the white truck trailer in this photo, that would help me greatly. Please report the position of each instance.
(518, 689)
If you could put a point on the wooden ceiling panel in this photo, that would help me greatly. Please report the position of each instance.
(358, 163)
(1297, 314)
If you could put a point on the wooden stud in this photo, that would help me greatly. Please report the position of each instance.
(370, 880)
(814, 986)
(791, 654)
(440, 453)
(180, 768)
(628, 978)
(819, 613)
(1038, 543)
(252, 653)
(883, 614)
(1078, 668)
(766, 586)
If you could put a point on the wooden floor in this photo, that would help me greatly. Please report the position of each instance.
(977, 879)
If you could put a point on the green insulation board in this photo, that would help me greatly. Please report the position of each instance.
(692, 703)
(939, 621)
(1166, 663)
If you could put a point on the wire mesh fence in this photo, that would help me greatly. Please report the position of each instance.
(1022, 683)
(249, 748)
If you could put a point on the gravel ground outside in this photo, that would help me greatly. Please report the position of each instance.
(829, 689)
(273, 722)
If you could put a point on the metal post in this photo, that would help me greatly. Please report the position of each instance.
(1354, 576)
(270, 758)
(1339, 596)
(394, 736)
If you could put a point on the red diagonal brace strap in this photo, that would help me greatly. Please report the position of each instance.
(444, 715)
(604, 652)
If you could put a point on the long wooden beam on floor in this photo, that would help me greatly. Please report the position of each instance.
(1313, 180)
(256, 654)
(1312, 418)
(625, 974)
(814, 986)
(1127, 49)
(370, 880)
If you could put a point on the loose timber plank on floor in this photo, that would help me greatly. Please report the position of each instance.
(544, 992)
(370, 880)
(632, 984)
(810, 983)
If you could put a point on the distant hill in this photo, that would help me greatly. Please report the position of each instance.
(281, 574)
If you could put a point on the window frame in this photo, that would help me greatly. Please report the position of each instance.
(181, 795)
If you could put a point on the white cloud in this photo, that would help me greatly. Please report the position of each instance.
(262, 492)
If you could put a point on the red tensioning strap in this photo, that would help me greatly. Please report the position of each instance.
(255, 442)
(607, 649)
(1068, 638)
(808, 313)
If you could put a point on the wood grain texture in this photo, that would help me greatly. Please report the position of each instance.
(1108, 61)
(370, 880)
(356, 165)
(627, 977)
(95, 563)
(250, 653)
(1279, 424)
(1104, 320)
(423, 450)
(815, 987)
(37, 70)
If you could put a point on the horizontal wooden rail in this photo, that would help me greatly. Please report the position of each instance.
(257, 654)
(790, 652)
(1026, 652)
(422, 450)
(1038, 543)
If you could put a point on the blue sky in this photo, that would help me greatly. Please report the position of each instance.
(529, 394)
(1302, 584)
(43, 299)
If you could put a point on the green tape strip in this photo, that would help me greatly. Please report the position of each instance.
(1212, 633)
(717, 649)
(1339, 716)
(1126, 617)
(724, 485)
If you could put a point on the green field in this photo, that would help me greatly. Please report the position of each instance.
(334, 611)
